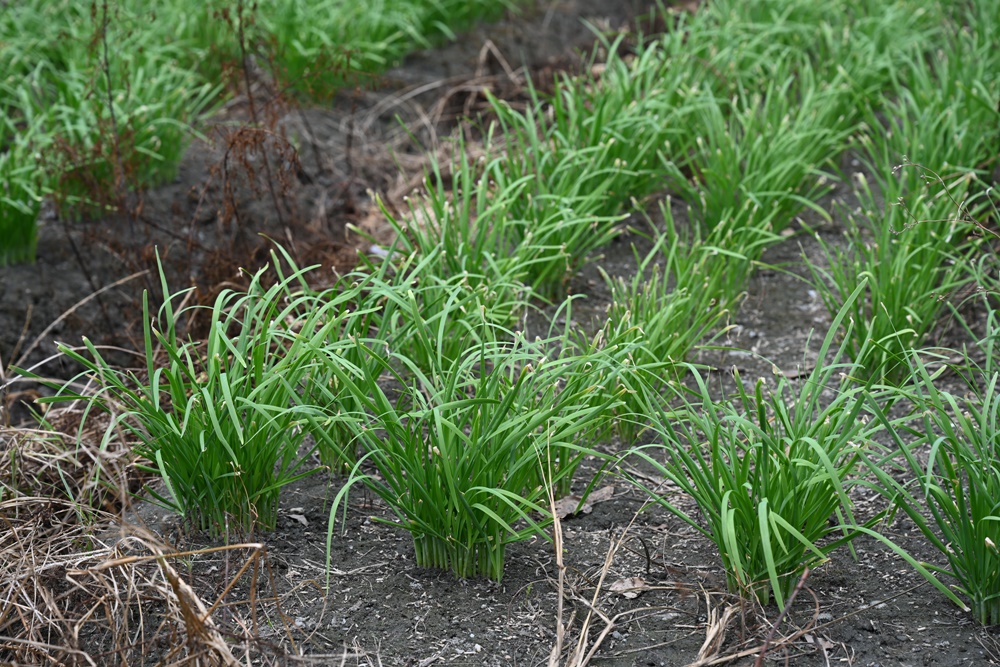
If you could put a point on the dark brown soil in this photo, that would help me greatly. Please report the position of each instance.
(381, 609)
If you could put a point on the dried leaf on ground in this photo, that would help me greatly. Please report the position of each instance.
(630, 587)
(570, 505)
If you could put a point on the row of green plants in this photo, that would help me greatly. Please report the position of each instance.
(426, 377)
(99, 97)
(771, 468)
(466, 450)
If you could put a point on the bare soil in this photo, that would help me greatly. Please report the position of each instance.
(380, 608)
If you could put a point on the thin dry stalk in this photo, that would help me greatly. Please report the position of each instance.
(245, 62)
(715, 632)
(557, 543)
(581, 655)
(121, 182)
(710, 651)
(781, 617)
(201, 630)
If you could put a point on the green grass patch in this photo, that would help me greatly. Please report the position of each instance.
(952, 497)
(465, 456)
(222, 422)
(769, 470)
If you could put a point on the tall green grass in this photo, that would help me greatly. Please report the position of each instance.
(464, 457)
(587, 154)
(769, 470)
(953, 495)
(20, 195)
(912, 267)
(681, 295)
(912, 238)
(768, 148)
(462, 223)
(222, 423)
(318, 46)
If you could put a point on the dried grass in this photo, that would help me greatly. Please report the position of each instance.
(64, 459)
(73, 598)
(74, 590)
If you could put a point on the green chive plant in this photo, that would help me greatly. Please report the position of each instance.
(465, 456)
(916, 253)
(564, 211)
(953, 494)
(20, 200)
(767, 148)
(470, 228)
(430, 322)
(318, 46)
(357, 318)
(221, 422)
(588, 151)
(767, 469)
(733, 46)
(680, 296)
(424, 318)
(944, 113)
(984, 15)
(912, 260)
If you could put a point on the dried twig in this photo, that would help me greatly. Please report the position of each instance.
(781, 617)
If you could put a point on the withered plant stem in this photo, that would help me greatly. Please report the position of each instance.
(784, 612)
(89, 276)
(120, 185)
(245, 65)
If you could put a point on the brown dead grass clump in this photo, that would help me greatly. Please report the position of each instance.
(79, 588)
(72, 599)
(63, 459)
